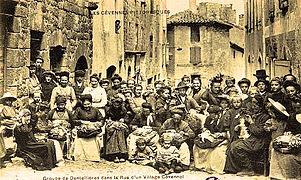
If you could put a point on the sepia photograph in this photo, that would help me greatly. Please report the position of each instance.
(150, 89)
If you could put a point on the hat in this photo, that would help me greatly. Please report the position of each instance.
(64, 73)
(116, 76)
(79, 73)
(7, 97)
(260, 74)
(94, 76)
(49, 73)
(84, 97)
(182, 85)
(267, 83)
(291, 83)
(285, 77)
(229, 78)
(244, 80)
(217, 79)
(278, 106)
(298, 118)
(32, 66)
(60, 99)
(177, 111)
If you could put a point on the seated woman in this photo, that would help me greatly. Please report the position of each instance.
(116, 131)
(8, 119)
(210, 146)
(61, 119)
(285, 155)
(88, 132)
(38, 155)
(181, 133)
(242, 151)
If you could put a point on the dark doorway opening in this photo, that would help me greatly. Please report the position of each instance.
(56, 57)
(111, 71)
(81, 64)
(35, 45)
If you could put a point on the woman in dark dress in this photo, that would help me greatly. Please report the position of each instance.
(116, 131)
(242, 151)
(38, 155)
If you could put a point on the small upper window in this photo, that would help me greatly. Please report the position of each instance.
(194, 34)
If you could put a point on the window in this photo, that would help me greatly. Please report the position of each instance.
(194, 34)
(195, 55)
(283, 5)
(151, 46)
(35, 44)
(56, 56)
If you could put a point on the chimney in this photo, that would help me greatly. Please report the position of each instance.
(192, 5)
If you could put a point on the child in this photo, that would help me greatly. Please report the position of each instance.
(232, 117)
(143, 155)
(167, 156)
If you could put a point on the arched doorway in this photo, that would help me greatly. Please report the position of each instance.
(111, 71)
(81, 64)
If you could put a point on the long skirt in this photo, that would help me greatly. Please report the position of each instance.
(87, 148)
(115, 139)
(285, 166)
(184, 154)
(210, 159)
(40, 156)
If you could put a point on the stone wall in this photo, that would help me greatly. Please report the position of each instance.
(215, 52)
(66, 24)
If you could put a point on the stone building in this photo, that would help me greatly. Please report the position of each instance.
(273, 36)
(200, 45)
(60, 32)
(131, 39)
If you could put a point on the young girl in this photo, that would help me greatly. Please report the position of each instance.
(143, 155)
(167, 156)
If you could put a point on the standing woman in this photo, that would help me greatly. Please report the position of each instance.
(89, 122)
(99, 95)
(116, 131)
(64, 90)
(33, 82)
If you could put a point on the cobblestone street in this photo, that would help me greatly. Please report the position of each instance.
(84, 170)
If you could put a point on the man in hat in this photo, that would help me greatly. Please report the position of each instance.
(210, 95)
(184, 101)
(64, 90)
(261, 74)
(39, 68)
(48, 84)
(79, 83)
(263, 87)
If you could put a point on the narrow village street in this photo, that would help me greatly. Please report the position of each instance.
(85, 170)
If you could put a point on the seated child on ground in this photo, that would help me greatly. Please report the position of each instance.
(167, 157)
(143, 154)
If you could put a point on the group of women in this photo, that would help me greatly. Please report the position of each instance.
(223, 130)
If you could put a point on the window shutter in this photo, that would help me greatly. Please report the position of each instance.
(192, 55)
(195, 55)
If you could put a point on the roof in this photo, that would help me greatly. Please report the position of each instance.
(188, 17)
